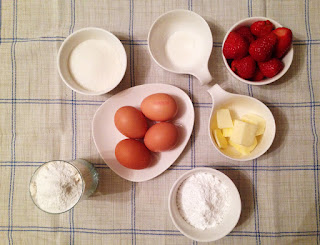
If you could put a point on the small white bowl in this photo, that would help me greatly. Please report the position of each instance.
(212, 234)
(73, 41)
(287, 59)
(177, 35)
(240, 105)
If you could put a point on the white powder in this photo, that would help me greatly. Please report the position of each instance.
(95, 65)
(56, 187)
(183, 48)
(203, 200)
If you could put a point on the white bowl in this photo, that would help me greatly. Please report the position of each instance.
(73, 41)
(240, 105)
(287, 59)
(212, 234)
(177, 35)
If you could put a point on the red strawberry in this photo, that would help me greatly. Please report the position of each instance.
(262, 48)
(244, 67)
(258, 75)
(284, 41)
(246, 33)
(235, 46)
(261, 28)
(271, 68)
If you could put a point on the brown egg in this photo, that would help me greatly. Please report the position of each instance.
(160, 137)
(132, 154)
(159, 107)
(131, 122)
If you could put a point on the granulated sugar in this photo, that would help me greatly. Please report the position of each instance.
(203, 200)
(56, 187)
(95, 65)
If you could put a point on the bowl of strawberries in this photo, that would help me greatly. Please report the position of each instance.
(257, 50)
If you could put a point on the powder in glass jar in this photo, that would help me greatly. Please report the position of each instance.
(56, 186)
(203, 200)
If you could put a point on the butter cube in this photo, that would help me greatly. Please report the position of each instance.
(221, 141)
(224, 119)
(244, 150)
(243, 133)
(257, 120)
(227, 132)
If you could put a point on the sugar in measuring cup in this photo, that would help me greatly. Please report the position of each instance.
(180, 41)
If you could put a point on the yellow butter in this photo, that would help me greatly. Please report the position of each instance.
(227, 132)
(243, 133)
(224, 119)
(221, 141)
(244, 150)
(257, 120)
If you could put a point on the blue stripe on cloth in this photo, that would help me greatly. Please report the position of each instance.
(277, 168)
(132, 83)
(312, 118)
(160, 233)
(190, 92)
(131, 14)
(73, 122)
(254, 165)
(256, 195)
(293, 233)
(189, 168)
(132, 42)
(250, 15)
(190, 81)
(80, 102)
(196, 104)
(0, 20)
(254, 202)
(13, 124)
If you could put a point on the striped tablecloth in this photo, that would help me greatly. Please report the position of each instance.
(41, 119)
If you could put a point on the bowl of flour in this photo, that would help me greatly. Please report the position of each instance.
(57, 186)
(92, 61)
(204, 204)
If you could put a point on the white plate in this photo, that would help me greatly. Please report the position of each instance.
(106, 136)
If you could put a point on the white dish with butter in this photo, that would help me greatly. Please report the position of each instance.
(240, 105)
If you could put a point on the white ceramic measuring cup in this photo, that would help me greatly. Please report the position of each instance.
(240, 105)
(180, 41)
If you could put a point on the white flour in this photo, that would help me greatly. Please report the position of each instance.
(95, 65)
(56, 187)
(183, 48)
(203, 200)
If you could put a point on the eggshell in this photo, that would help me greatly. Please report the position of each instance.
(160, 137)
(132, 154)
(131, 122)
(159, 107)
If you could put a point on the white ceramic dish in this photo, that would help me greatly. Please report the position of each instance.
(215, 233)
(73, 41)
(287, 59)
(179, 33)
(240, 105)
(106, 136)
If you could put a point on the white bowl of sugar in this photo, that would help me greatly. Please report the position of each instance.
(92, 61)
(204, 204)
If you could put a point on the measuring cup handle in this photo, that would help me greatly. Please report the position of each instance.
(217, 93)
(203, 75)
